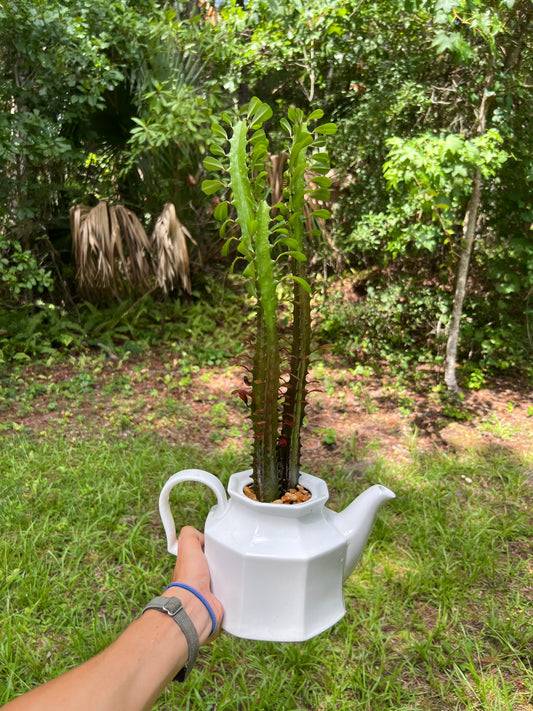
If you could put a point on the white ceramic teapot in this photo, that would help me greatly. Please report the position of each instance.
(278, 569)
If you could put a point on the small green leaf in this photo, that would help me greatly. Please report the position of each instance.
(258, 112)
(307, 140)
(219, 131)
(258, 136)
(226, 246)
(221, 211)
(295, 255)
(210, 187)
(241, 248)
(285, 125)
(232, 268)
(319, 194)
(252, 226)
(250, 270)
(328, 129)
(322, 181)
(216, 150)
(224, 227)
(289, 242)
(322, 214)
(299, 280)
(213, 164)
(317, 114)
(321, 159)
(254, 104)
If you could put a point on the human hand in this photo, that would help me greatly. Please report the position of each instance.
(191, 569)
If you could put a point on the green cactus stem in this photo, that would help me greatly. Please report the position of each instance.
(273, 250)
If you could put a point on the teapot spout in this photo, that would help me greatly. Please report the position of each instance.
(355, 522)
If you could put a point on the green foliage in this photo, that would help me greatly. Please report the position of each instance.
(402, 322)
(492, 337)
(62, 66)
(179, 95)
(115, 101)
(437, 171)
(19, 271)
(205, 335)
(87, 50)
(328, 437)
(433, 177)
(36, 330)
(288, 48)
(424, 120)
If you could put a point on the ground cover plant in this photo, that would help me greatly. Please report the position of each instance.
(437, 611)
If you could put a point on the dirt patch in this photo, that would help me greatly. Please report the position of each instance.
(352, 417)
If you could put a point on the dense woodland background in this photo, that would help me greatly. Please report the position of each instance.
(110, 106)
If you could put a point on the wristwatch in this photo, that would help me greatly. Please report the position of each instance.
(174, 607)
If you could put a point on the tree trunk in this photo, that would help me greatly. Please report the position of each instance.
(512, 51)
(467, 243)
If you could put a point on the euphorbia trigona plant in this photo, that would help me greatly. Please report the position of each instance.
(272, 240)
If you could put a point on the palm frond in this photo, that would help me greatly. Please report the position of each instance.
(114, 255)
(111, 250)
(169, 247)
(94, 239)
(137, 246)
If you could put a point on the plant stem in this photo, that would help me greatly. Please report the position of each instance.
(266, 370)
(254, 221)
(294, 403)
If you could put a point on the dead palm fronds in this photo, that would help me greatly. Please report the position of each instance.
(136, 246)
(113, 253)
(169, 247)
(94, 236)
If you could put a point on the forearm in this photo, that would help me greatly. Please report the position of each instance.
(129, 674)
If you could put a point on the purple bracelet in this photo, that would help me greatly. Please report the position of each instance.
(201, 598)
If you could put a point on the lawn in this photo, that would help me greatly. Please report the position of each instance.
(437, 612)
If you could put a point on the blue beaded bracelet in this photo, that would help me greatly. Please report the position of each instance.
(200, 597)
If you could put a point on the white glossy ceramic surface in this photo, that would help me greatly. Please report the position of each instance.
(277, 569)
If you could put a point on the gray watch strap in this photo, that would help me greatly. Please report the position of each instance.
(174, 607)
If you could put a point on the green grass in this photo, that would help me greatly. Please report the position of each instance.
(437, 610)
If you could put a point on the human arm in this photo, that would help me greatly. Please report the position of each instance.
(131, 673)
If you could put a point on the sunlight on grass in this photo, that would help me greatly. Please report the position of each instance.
(437, 610)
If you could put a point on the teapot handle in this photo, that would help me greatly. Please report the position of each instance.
(164, 506)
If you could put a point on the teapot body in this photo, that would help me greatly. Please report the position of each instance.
(277, 569)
